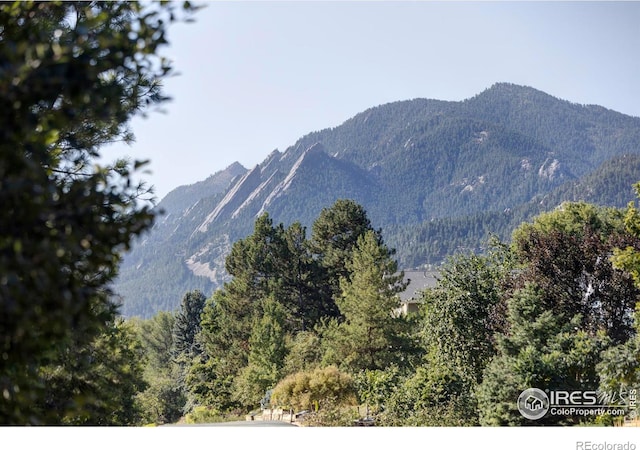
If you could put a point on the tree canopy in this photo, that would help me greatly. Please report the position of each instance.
(73, 75)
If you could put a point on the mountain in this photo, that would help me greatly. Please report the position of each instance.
(436, 176)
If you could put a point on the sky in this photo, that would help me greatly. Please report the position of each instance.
(256, 76)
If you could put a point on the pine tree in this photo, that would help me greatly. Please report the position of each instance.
(372, 331)
(334, 235)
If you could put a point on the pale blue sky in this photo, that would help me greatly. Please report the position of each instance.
(255, 76)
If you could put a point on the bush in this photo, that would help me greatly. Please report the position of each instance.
(204, 414)
(312, 390)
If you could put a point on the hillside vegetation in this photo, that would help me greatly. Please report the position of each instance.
(439, 177)
(313, 324)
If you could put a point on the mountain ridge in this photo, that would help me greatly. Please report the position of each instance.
(409, 163)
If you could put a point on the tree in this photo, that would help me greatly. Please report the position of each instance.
(334, 235)
(186, 349)
(457, 322)
(375, 387)
(628, 257)
(278, 291)
(372, 334)
(210, 385)
(163, 399)
(95, 384)
(277, 261)
(301, 275)
(156, 335)
(305, 353)
(461, 314)
(187, 324)
(226, 329)
(619, 369)
(266, 355)
(229, 316)
(73, 75)
(434, 395)
(567, 252)
(542, 349)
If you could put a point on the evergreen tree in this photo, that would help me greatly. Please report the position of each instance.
(163, 400)
(95, 384)
(334, 235)
(186, 348)
(301, 275)
(187, 324)
(156, 335)
(373, 333)
(619, 370)
(544, 350)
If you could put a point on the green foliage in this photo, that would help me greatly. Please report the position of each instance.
(266, 356)
(314, 390)
(74, 74)
(619, 368)
(372, 336)
(304, 353)
(163, 400)
(543, 349)
(95, 384)
(336, 232)
(494, 325)
(460, 316)
(156, 335)
(187, 324)
(375, 387)
(280, 290)
(567, 253)
(225, 333)
(433, 396)
(186, 349)
(628, 257)
(334, 236)
(209, 385)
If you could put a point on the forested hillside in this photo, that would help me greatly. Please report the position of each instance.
(311, 323)
(437, 176)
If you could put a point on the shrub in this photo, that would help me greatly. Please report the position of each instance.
(311, 390)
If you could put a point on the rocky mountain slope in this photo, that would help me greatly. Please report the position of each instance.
(436, 176)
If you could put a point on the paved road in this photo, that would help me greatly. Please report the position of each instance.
(244, 423)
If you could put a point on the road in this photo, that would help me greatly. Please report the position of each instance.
(243, 423)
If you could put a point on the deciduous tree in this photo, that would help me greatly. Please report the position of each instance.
(73, 75)
(567, 252)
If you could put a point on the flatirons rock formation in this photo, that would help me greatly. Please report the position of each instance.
(436, 176)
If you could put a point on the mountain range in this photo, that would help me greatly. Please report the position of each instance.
(437, 176)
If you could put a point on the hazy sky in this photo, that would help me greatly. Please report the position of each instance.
(256, 76)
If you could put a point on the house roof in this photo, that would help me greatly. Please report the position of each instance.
(418, 281)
